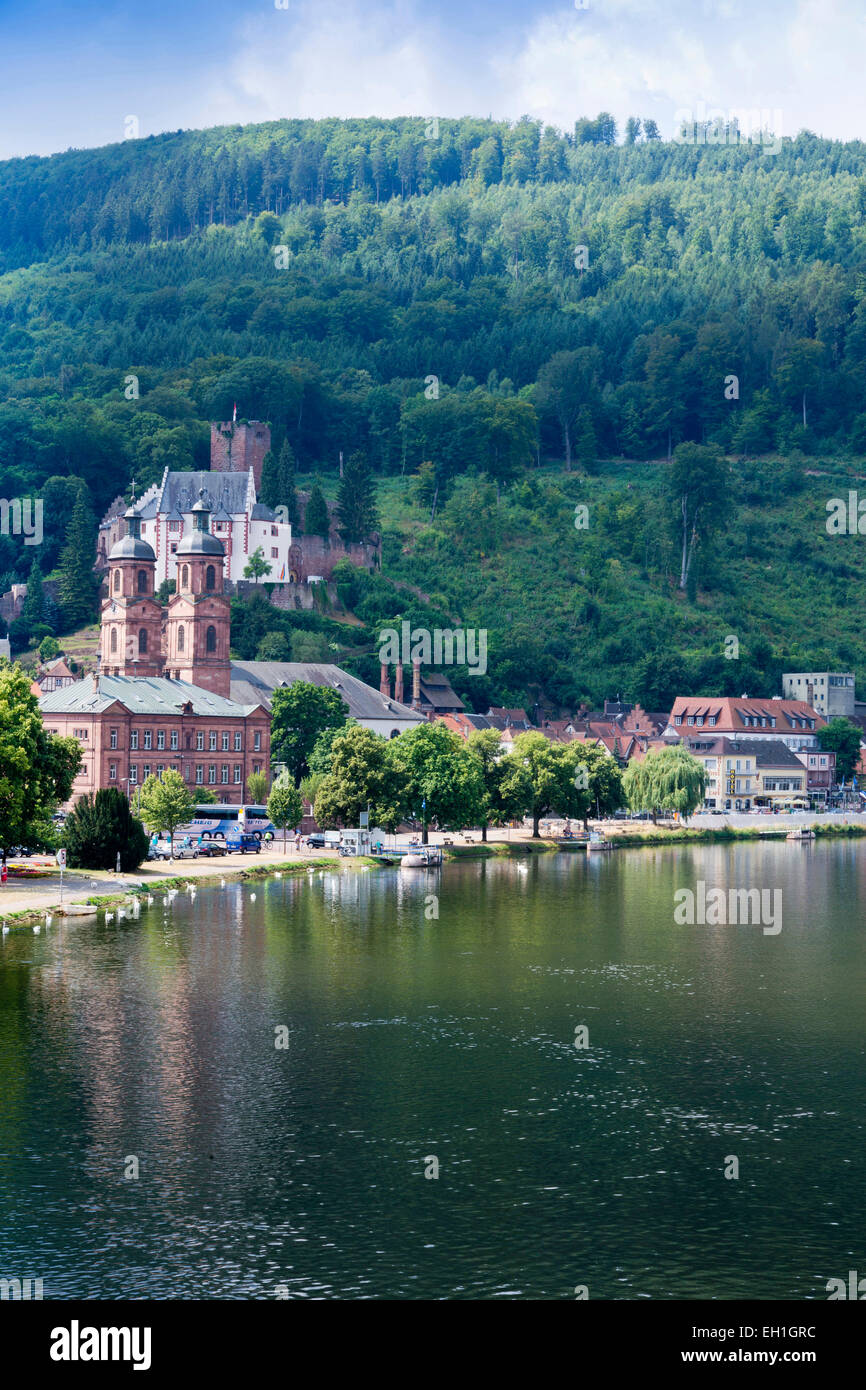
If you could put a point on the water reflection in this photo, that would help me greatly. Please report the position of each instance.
(411, 1034)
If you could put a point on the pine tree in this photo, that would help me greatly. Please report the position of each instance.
(356, 503)
(33, 609)
(278, 483)
(77, 581)
(316, 519)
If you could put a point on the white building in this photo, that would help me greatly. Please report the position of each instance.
(242, 523)
(831, 693)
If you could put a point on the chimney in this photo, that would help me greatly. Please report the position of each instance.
(96, 682)
(384, 682)
(398, 684)
(416, 682)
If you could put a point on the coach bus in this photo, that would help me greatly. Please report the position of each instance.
(219, 822)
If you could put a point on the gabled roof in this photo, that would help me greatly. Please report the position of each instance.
(731, 713)
(225, 494)
(145, 695)
(259, 679)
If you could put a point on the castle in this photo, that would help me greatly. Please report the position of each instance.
(161, 696)
(242, 523)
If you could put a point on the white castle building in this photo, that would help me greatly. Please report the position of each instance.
(238, 519)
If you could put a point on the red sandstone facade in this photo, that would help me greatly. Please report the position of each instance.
(161, 698)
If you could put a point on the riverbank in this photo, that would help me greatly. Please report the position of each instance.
(27, 902)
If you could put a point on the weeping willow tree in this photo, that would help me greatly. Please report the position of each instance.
(668, 779)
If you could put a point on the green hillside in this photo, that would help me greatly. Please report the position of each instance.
(417, 298)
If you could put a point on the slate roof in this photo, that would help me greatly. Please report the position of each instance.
(141, 695)
(257, 681)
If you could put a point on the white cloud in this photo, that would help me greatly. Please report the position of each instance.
(626, 56)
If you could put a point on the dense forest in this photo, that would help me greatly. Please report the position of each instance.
(495, 317)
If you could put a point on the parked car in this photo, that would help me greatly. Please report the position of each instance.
(321, 839)
(183, 849)
(243, 844)
(211, 849)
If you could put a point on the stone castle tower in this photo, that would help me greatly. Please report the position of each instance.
(191, 643)
(237, 447)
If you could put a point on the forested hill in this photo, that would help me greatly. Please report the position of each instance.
(446, 301)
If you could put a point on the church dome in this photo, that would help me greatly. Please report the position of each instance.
(200, 541)
(131, 546)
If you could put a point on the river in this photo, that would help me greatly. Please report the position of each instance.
(287, 1065)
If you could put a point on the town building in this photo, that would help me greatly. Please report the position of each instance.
(256, 681)
(54, 675)
(795, 722)
(743, 774)
(830, 693)
(161, 696)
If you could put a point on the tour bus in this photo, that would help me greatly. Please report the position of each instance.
(220, 822)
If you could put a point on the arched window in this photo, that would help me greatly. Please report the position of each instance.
(184, 577)
(142, 641)
(114, 639)
(142, 581)
(210, 579)
(180, 638)
(117, 581)
(210, 640)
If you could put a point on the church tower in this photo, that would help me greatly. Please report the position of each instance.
(131, 635)
(198, 627)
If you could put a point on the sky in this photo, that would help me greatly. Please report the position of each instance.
(75, 71)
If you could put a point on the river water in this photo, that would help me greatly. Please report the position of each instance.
(415, 1042)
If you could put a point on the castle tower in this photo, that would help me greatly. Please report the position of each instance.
(130, 641)
(198, 627)
(238, 446)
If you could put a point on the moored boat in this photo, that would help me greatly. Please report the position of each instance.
(422, 857)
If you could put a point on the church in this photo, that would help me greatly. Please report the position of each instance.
(161, 697)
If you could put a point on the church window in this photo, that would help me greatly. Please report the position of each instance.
(184, 577)
(114, 639)
(142, 581)
(117, 581)
(210, 579)
(142, 641)
(180, 639)
(210, 639)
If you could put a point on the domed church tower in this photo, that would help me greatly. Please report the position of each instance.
(199, 616)
(131, 636)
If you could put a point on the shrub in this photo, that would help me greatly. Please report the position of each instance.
(100, 826)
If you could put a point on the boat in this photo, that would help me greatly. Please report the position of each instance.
(422, 857)
(801, 832)
(77, 909)
(597, 841)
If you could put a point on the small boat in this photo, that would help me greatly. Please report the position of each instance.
(77, 909)
(424, 857)
(801, 832)
(597, 841)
